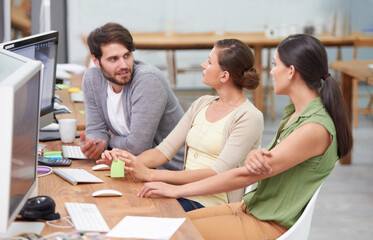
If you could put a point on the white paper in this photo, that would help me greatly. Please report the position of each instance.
(370, 65)
(146, 227)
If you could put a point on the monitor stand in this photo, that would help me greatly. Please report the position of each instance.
(17, 228)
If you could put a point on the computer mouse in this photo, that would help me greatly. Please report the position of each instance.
(100, 167)
(106, 193)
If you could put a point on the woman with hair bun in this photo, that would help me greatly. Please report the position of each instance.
(217, 131)
(312, 136)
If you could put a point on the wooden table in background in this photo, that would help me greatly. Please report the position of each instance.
(349, 70)
(256, 40)
(113, 209)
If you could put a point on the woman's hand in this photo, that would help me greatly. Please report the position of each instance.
(160, 189)
(107, 158)
(255, 162)
(133, 164)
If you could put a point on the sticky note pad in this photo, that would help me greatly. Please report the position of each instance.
(52, 153)
(117, 168)
(54, 156)
(74, 89)
(63, 86)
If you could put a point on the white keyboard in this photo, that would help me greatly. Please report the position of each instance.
(75, 176)
(73, 152)
(86, 217)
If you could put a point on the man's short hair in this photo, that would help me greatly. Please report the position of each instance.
(108, 33)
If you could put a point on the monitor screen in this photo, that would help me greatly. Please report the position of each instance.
(25, 140)
(42, 47)
(20, 81)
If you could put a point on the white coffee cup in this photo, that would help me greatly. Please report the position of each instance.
(67, 130)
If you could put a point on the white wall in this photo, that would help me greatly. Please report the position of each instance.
(206, 15)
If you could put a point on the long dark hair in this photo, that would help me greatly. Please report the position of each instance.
(110, 32)
(309, 58)
(236, 57)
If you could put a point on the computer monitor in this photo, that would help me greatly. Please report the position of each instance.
(42, 47)
(20, 80)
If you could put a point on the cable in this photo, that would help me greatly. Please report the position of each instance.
(58, 226)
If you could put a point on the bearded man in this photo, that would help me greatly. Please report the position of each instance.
(128, 103)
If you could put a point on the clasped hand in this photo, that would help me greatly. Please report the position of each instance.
(255, 162)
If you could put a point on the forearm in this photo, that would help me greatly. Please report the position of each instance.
(152, 158)
(180, 177)
(225, 182)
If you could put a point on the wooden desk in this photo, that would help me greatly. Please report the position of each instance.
(113, 209)
(349, 70)
(256, 40)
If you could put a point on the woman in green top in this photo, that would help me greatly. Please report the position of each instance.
(313, 134)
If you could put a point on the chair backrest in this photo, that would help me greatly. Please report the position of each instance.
(301, 228)
(250, 187)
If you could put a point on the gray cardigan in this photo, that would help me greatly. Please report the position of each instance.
(150, 107)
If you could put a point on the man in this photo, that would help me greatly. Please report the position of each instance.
(129, 104)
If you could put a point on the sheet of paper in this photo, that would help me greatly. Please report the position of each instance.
(117, 168)
(146, 227)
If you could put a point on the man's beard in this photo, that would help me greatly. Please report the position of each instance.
(112, 79)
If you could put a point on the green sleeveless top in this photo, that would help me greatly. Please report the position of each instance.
(282, 198)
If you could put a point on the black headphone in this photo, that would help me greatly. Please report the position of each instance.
(40, 207)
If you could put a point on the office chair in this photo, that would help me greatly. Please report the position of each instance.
(301, 228)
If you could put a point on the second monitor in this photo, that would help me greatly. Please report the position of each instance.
(42, 47)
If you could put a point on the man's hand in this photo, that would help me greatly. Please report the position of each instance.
(256, 164)
(91, 148)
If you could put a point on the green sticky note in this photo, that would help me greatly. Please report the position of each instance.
(52, 153)
(62, 86)
(81, 111)
(117, 168)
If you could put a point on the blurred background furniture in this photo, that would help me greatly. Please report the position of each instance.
(172, 66)
(360, 42)
(21, 18)
(354, 69)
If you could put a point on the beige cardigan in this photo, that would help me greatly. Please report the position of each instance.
(242, 133)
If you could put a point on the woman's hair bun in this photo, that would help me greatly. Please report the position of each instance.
(250, 79)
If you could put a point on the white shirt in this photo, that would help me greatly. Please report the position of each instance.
(115, 111)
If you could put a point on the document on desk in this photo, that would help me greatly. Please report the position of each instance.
(146, 227)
